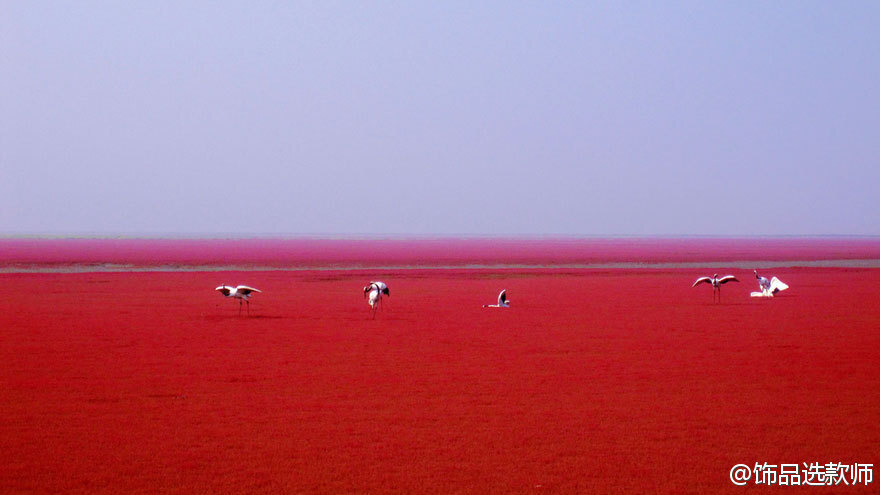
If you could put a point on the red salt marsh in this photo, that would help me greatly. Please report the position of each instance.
(594, 381)
(305, 252)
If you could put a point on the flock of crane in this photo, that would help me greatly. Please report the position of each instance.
(768, 287)
(374, 291)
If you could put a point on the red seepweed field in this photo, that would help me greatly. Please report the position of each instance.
(596, 380)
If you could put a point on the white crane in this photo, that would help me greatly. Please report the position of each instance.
(241, 292)
(768, 287)
(373, 292)
(503, 302)
(716, 283)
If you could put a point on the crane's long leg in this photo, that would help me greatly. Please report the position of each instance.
(248, 306)
(239, 307)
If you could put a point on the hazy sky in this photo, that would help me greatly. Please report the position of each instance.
(444, 117)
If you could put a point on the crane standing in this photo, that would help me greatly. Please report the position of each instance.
(716, 283)
(241, 292)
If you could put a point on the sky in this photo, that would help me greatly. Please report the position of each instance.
(440, 118)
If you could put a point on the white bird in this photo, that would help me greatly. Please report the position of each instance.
(503, 302)
(373, 292)
(241, 292)
(716, 283)
(769, 287)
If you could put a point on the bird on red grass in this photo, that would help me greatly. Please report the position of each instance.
(716, 283)
(373, 291)
(241, 292)
(769, 287)
(503, 301)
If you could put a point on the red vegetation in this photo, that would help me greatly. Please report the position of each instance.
(626, 381)
(399, 252)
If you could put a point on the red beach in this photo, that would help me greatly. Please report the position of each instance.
(123, 371)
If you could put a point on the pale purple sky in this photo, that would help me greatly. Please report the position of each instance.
(447, 117)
